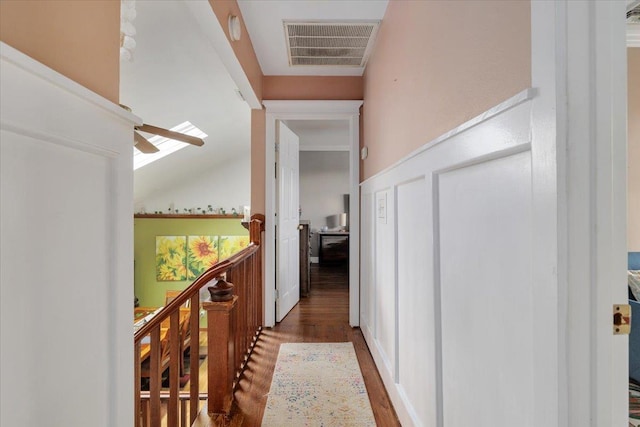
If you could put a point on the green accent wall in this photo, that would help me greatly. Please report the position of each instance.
(150, 292)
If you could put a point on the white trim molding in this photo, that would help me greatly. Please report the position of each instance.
(325, 148)
(579, 68)
(313, 110)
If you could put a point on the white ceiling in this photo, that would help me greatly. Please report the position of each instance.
(176, 75)
(264, 21)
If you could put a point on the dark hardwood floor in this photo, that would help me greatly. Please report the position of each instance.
(322, 317)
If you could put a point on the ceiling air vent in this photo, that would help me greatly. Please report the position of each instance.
(333, 44)
(633, 15)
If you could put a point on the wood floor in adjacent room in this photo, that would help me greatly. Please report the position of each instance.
(322, 317)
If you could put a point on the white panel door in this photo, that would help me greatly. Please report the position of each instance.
(287, 235)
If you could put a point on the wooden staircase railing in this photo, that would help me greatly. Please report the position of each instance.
(162, 335)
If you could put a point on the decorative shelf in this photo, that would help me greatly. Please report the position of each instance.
(189, 216)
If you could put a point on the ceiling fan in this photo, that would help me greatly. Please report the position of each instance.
(143, 144)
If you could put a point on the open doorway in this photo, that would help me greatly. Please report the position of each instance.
(324, 184)
(310, 113)
(324, 200)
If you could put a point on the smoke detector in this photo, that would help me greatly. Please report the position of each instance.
(329, 43)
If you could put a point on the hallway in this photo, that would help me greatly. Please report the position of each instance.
(322, 317)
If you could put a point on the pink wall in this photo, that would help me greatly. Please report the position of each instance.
(258, 129)
(313, 87)
(437, 64)
(80, 40)
(633, 178)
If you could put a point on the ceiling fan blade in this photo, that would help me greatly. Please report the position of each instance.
(171, 134)
(143, 145)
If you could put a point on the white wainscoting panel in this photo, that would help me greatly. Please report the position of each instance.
(66, 255)
(486, 292)
(385, 283)
(426, 311)
(367, 306)
(416, 331)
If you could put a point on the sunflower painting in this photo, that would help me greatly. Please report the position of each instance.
(202, 253)
(171, 258)
(230, 245)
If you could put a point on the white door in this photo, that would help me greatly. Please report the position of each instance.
(288, 219)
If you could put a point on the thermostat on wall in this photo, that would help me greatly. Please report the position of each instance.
(364, 153)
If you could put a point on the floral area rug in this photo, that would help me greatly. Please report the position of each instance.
(317, 384)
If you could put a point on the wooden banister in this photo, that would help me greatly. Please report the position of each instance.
(167, 335)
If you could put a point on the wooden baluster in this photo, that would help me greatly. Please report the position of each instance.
(174, 368)
(256, 296)
(145, 413)
(220, 322)
(194, 355)
(155, 376)
(137, 385)
(252, 297)
(245, 311)
(251, 301)
(238, 317)
(183, 413)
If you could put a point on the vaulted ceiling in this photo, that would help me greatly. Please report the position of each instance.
(175, 76)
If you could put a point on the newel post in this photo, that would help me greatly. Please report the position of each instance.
(256, 228)
(221, 354)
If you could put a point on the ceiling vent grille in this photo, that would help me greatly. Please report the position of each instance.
(633, 15)
(333, 44)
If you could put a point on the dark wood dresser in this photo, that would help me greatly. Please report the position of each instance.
(305, 260)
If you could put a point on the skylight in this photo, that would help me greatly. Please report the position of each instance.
(165, 145)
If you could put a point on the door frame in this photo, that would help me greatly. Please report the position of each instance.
(581, 122)
(312, 110)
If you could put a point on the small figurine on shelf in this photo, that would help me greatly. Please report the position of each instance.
(210, 208)
(222, 211)
(234, 212)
